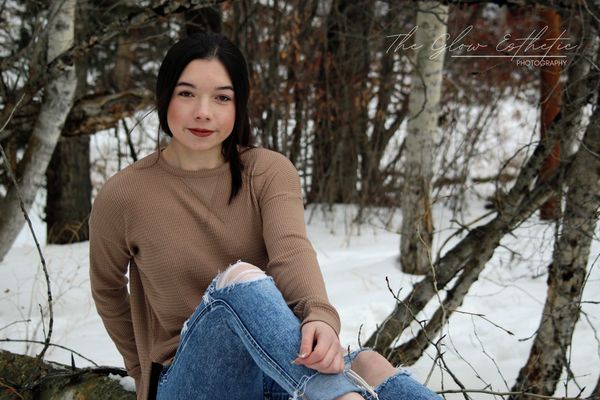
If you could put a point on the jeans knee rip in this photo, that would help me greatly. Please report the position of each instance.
(350, 356)
(399, 372)
(208, 298)
(366, 391)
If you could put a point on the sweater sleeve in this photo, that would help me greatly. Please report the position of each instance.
(109, 261)
(292, 259)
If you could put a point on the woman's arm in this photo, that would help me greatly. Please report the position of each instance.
(109, 261)
(292, 259)
(294, 267)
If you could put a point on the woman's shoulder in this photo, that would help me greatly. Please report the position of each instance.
(124, 182)
(259, 161)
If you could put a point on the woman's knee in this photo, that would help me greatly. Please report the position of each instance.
(372, 367)
(239, 272)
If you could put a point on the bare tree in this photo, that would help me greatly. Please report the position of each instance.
(424, 103)
(58, 100)
(550, 89)
(68, 184)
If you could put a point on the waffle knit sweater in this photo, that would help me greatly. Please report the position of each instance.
(167, 232)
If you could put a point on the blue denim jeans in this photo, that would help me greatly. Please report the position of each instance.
(238, 345)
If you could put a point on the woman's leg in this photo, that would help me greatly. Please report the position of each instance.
(372, 367)
(211, 363)
(387, 381)
(250, 307)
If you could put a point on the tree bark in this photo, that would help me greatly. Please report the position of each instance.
(26, 378)
(550, 94)
(69, 191)
(416, 233)
(58, 100)
(68, 183)
(596, 393)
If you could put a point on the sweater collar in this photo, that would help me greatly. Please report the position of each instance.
(201, 173)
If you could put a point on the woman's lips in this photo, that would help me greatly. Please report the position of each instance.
(201, 132)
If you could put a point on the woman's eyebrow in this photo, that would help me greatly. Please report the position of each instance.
(182, 83)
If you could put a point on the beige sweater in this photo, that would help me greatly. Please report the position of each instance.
(172, 230)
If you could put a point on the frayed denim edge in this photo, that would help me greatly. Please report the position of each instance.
(399, 371)
(299, 391)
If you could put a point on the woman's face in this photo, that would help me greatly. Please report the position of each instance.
(201, 113)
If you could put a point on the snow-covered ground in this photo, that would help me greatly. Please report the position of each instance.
(355, 261)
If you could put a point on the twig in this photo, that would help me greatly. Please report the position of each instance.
(14, 181)
(483, 317)
(492, 359)
(358, 339)
(49, 344)
(455, 378)
(438, 355)
(42, 319)
(462, 228)
(11, 115)
(470, 364)
(37, 244)
(14, 322)
(493, 393)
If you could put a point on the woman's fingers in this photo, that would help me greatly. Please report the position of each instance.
(326, 356)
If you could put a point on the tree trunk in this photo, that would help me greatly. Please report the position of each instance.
(69, 188)
(26, 378)
(567, 273)
(417, 220)
(58, 100)
(371, 154)
(68, 183)
(596, 393)
(550, 93)
(342, 118)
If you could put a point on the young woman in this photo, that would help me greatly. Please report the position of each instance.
(225, 298)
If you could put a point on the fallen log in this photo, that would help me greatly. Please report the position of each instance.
(25, 377)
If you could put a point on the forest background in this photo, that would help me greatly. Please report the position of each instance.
(487, 109)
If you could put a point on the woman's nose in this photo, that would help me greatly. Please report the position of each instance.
(202, 110)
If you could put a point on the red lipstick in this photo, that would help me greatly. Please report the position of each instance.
(201, 132)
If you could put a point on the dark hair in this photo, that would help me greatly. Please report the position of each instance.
(208, 46)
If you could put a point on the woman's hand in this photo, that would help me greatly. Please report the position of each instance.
(326, 355)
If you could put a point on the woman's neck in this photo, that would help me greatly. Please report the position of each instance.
(191, 162)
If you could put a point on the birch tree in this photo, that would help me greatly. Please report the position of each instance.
(58, 100)
(417, 222)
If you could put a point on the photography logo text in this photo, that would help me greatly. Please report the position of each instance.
(536, 49)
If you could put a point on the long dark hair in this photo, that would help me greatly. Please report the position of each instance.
(210, 46)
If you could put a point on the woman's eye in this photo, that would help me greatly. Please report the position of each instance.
(223, 98)
(184, 93)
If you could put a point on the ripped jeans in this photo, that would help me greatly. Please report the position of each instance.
(239, 343)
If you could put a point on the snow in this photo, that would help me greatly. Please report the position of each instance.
(355, 261)
(126, 382)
